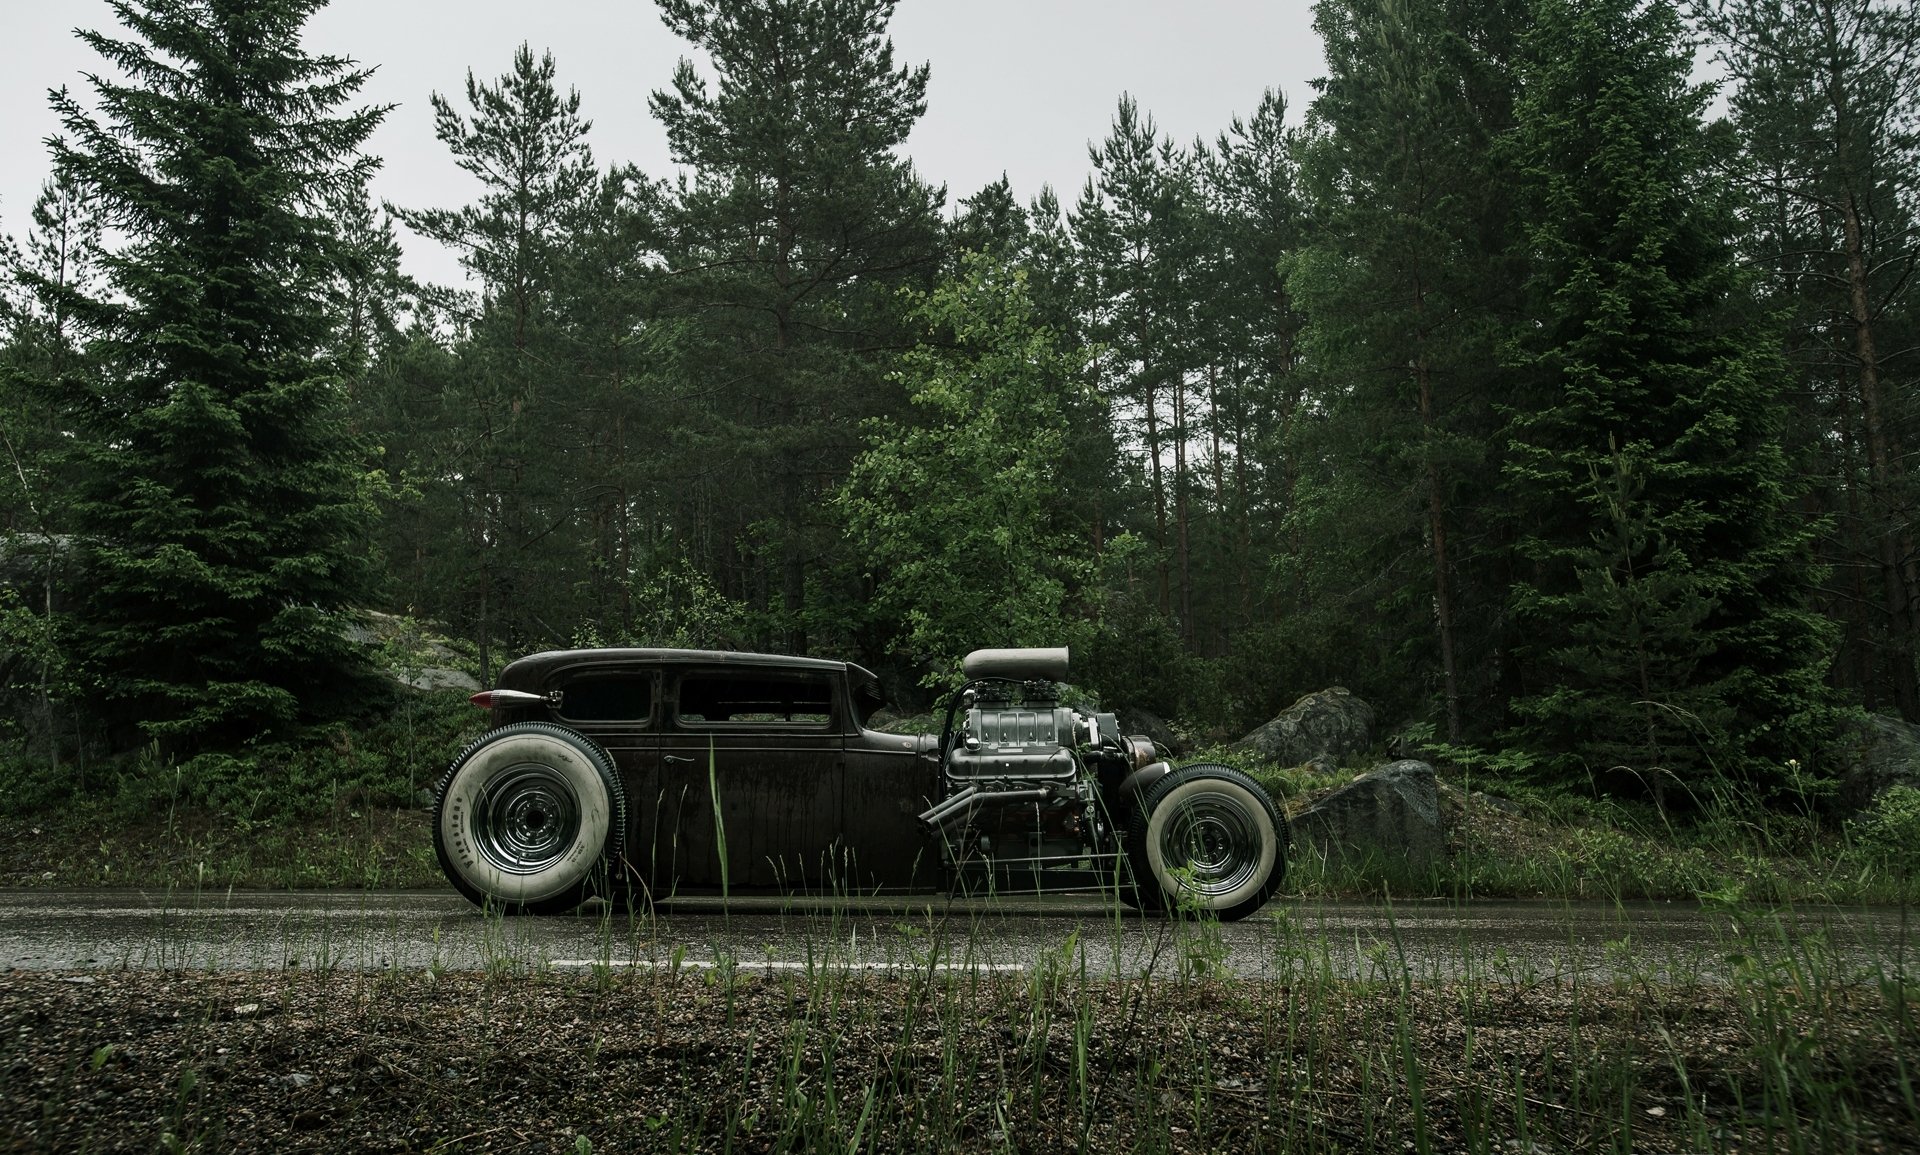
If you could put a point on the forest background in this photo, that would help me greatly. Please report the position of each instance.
(1563, 419)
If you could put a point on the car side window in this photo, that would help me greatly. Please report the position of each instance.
(800, 702)
(607, 698)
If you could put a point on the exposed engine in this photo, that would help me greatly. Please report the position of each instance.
(1029, 780)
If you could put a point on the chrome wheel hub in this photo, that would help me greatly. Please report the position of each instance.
(526, 820)
(1212, 842)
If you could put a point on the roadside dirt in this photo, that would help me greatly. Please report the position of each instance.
(698, 1061)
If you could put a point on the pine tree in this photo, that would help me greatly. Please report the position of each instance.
(1252, 323)
(1825, 102)
(1666, 573)
(800, 224)
(220, 501)
(43, 342)
(503, 455)
(1135, 223)
(1403, 283)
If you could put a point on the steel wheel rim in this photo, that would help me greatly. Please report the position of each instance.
(527, 819)
(1213, 844)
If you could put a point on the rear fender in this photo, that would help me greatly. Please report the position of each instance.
(1134, 786)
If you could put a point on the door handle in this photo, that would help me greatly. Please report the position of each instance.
(674, 758)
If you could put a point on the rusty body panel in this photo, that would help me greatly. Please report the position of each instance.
(807, 797)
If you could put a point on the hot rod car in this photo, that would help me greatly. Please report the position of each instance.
(663, 772)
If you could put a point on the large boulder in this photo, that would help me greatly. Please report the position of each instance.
(1332, 721)
(409, 655)
(1390, 815)
(1875, 754)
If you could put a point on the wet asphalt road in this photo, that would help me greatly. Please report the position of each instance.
(1514, 941)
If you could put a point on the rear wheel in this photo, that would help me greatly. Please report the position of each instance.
(529, 818)
(1208, 838)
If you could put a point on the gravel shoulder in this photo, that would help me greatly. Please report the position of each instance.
(607, 1061)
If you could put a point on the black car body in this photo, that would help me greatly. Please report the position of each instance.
(666, 772)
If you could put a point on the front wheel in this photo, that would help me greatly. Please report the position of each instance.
(528, 818)
(1208, 838)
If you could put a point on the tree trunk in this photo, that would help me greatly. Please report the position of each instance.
(1180, 506)
(1859, 641)
(1243, 514)
(1437, 527)
(1889, 525)
(1152, 398)
(1217, 640)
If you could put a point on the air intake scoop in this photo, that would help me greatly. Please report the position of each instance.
(1018, 665)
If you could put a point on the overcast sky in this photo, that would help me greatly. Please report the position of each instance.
(1019, 86)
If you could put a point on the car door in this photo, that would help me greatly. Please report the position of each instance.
(752, 759)
(890, 779)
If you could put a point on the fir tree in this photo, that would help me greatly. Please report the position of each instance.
(220, 503)
(1665, 574)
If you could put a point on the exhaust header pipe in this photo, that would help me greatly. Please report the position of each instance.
(954, 813)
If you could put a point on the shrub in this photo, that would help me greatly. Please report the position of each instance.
(1887, 834)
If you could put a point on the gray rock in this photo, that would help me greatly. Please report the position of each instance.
(439, 678)
(1875, 754)
(1332, 722)
(1137, 721)
(1389, 815)
(1495, 802)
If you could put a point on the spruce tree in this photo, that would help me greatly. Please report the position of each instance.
(220, 504)
(1665, 573)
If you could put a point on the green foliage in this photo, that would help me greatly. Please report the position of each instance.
(519, 449)
(680, 607)
(1887, 834)
(958, 514)
(1821, 96)
(388, 761)
(1406, 281)
(1456, 394)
